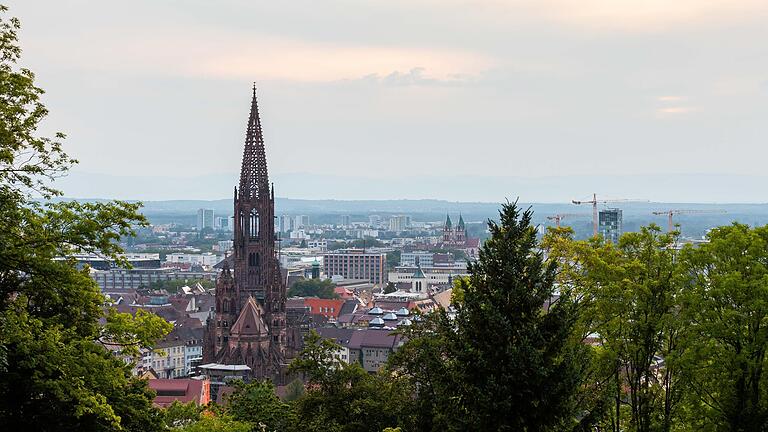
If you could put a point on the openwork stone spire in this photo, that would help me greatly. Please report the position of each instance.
(254, 181)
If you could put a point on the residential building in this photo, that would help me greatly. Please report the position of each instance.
(222, 223)
(301, 221)
(168, 357)
(327, 309)
(286, 223)
(205, 219)
(346, 220)
(224, 245)
(374, 221)
(399, 223)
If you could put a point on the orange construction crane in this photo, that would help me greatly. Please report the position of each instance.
(594, 202)
(558, 217)
(671, 213)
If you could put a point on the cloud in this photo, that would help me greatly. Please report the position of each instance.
(675, 110)
(670, 98)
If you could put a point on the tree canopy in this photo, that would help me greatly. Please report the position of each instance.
(313, 288)
(56, 373)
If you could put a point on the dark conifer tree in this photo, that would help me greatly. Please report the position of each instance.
(508, 360)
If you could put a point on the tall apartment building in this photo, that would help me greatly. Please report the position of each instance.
(204, 219)
(302, 221)
(222, 223)
(609, 224)
(399, 223)
(374, 221)
(356, 264)
(286, 223)
(346, 220)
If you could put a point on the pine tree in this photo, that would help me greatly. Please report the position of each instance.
(508, 360)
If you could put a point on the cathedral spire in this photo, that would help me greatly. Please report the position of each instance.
(254, 181)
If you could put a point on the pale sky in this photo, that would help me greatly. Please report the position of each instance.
(406, 88)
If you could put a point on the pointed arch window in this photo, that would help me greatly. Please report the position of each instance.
(253, 259)
(253, 226)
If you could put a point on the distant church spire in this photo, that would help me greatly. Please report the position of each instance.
(254, 180)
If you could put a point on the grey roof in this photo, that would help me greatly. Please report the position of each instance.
(376, 311)
(390, 317)
(402, 312)
(349, 306)
(419, 274)
(376, 322)
(376, 338)
(341, 336)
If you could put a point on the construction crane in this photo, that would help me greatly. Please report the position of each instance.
(671, 213)
(558, 217)
(594, 201)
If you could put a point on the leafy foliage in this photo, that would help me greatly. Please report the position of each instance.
(256, 403)
(313, 288)
(343, 397)
(628, 298)
(56, 373)
(725, 312)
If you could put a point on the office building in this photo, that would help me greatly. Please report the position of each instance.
(356, 264)
(610, 224)
(423, 258)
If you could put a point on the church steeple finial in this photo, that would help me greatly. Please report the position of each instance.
(254, 180)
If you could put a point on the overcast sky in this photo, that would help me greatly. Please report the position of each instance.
(424, 88)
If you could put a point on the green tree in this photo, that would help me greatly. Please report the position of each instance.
(257, 404)
(179, 414)
(313, 288)
(218, 424)
(56, 371)
(390, 288)
(393, 259)
(726, 323)
(629, 296)
(294, 390)
(504, 362)
(340, 396)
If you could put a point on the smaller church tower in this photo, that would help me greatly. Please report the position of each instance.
(448, 230)
(226, 307)
(460, 235)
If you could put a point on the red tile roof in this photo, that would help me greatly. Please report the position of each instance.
(328, 308)
(182, 390)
